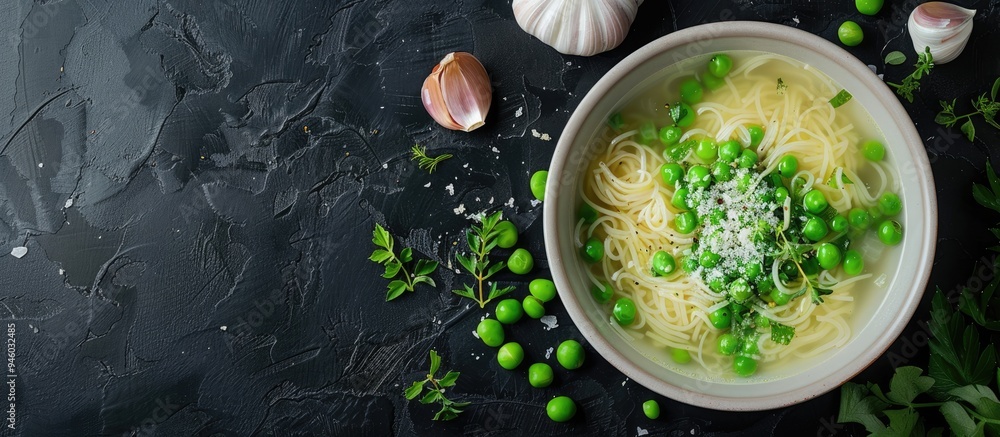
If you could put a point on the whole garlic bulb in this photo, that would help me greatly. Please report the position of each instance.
(943, 27)
(577, 27)
(458, 93)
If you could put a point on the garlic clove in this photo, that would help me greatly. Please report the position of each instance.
(458, 94)
(577, 27)
(943, 27)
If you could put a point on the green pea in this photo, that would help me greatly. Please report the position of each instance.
(624, 311)
(744, 366)
(727, 344)
(853, 262)
(875, 213)
(490, 332)
(651, 409)
(533, 307)
(680, 199)
(889, 204)
(689, 115)
(561, 409)
(814, 201)
(720, 64)
(780, 298)
(750, 348)
(717, 285)
(761, 321)
(510, 355)
(788, 165)
(722, 171)
(680, 356)
(520, 262)
(506, 234)
(691, 91)
(615, 121)
(740, 290)
(699, 176)
(540, 375)
(543, 289)
(859, 219)
(868, 7)
(670, 135)
(602, 293)
(780, 194)
(839, 223)
(754, 270)
(671, 173)
(686, 222)
(756, 135)
(593, 250)
(706, 149)
(890, 232)
(747, 159)
(588, 213)
(663, 263)
(815, 229)
(647, 132)
(537, 184)
(721, 318)
(873, 150)
(712, 82)
(729, 151)
(509, 311)
(828, 255)
(708, 259)
(570, 354)
(850, 33)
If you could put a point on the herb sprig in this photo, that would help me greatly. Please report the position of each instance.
(435, 392)
(911, 83)
(481, 240)
(395, 266)
(425, 161)
(988, 107)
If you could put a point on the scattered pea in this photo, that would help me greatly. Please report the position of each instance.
(543, 289)
(890, 232)
(651, 409)
(624, 311)
(729, 151)
(533, 307)
(510, 355)
(873, 150)
(850, 33)
(561, 409)
(520, 262)
(570, 354)
(537, 184)
(722, 171)
(854, 264)
(889, 204)
(593, 250)
(706, 149)
(540, 375)
(815, 229)
(671, 173)
(719, 65)
(663, 263)
(490, 332)
(828, 255)
(699, 176)
(756, 135)
(506, 234)
(859, 219)
(788, 165)
(814, 201)
(727, 343)
(721, 318)
(869, 7)
(744, 366)
(686, 222)
(509, 311)
(670, 135)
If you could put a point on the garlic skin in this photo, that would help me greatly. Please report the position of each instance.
(943, 27)
(458, 94)
(577, 27)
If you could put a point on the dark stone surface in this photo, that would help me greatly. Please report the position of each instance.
(196, 183)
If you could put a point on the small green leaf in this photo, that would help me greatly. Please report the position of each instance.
(435, 362)
(380, 256)
(466, 292)
(856, 406)
(468, 262)
(907, 383)
(958, 419)
(396, 288)
(391, 269)
(449, 379)
(424, 267)
(446, 413)
(381, 237)
(414, 390)
(495, 293)
(406, 255)
(430, 397)
(979, 396)
(494, 269)
(995, 89)
(895, 58)
(424, 280)
(782, 334)
(969, 130)
(901, 423)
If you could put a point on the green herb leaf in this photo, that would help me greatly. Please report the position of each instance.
(969, 130)
(414, 390)
(958, 419)
(430, 397)
(449, 379)
(782, 334)
(995, 89)
(424, 161)
(406, 255)
(979, 396)
(895, 58)
(677, 112)
(392, 269)
(424, 267)
(380, 256)
(907, 383)
(857, 406)
(381, 238)
(842, 97)
(957, 358)
(446, 413)
(901, 423)
(495, 293)
(396, 289)
(435, 362)
(481, 239)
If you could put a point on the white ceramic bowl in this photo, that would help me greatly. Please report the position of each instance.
(875, 325)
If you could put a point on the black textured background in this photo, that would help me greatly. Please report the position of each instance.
(196, 183)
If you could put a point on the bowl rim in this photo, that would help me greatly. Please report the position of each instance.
(872, 84)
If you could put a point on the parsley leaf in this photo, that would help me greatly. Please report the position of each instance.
(911, 83)
(957, 358)
(436, 391)
(481, 240)
(782, 334)
(395, 266)
(987, 107)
